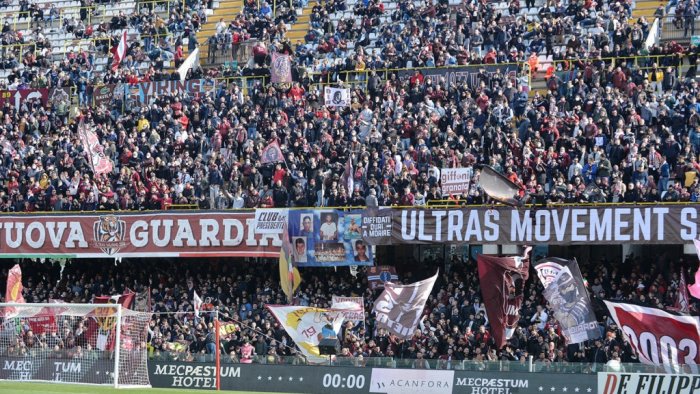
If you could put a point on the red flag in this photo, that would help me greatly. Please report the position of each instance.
(13, 292)
(658, 337)
(272, 153)
(101, 327)
(502, 281)
(100, 163)
(119, 51)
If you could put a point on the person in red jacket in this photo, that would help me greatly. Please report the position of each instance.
(417, 78)
(408, 198)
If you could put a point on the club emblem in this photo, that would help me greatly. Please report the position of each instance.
(110, 234)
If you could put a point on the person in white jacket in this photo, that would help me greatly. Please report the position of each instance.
(540, 318)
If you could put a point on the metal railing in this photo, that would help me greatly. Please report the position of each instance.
(678, 27)
(643, 62)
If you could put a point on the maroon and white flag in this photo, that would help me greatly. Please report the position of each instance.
(502, 282)
(119, 51)
(272, 153)
(100, 163)
(400, 307)
(658, 337)
(683, 300)
(101, 327)
(280, 68)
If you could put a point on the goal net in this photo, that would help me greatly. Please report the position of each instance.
(74, 343)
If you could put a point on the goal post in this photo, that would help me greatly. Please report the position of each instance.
(102, 344)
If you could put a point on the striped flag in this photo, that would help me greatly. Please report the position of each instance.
(119, 51)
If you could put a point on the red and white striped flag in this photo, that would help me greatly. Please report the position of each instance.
(119, 51)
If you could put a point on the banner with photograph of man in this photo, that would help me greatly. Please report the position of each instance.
(328, 238)
(568, 298)
(336, 97)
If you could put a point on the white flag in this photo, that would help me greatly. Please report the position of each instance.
(308, 325)
(189, 63)
(355, 306)
(336, 97)
(197, 303)
(400, 307)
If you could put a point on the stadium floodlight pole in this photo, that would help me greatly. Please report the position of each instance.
(117, 345)
(217, 352)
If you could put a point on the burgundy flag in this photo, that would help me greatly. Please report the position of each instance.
(658, 337)
(683, 300)
(280, 68)
(400, 307)
(502, 281)
(272, 153)
(142, 300)
(100, 163)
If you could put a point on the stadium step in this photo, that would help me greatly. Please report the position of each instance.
(228, 9)
(299, 29)
(646, 8)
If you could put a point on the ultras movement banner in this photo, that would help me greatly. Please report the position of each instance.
(335, 237)
(552, 226)
(163, 234)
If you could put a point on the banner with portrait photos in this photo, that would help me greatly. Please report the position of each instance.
(328, 238)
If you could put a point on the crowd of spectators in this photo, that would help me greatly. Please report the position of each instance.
(454, 326)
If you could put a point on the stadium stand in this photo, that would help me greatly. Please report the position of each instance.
(454, 317)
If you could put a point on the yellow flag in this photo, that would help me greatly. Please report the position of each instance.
(289, 274)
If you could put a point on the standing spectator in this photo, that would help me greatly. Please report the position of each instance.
(215, 180)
